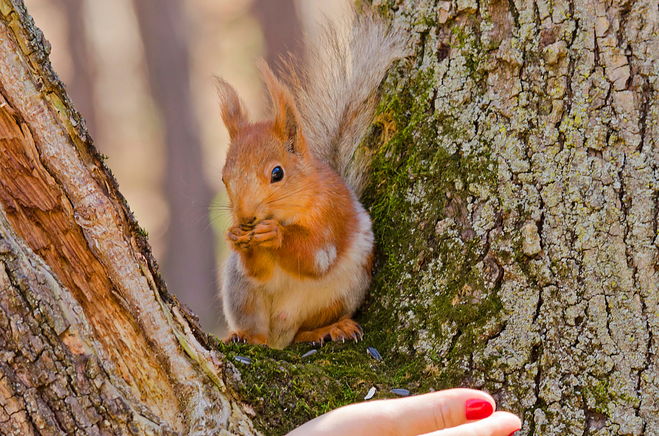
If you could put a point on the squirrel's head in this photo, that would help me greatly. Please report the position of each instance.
(268, 170)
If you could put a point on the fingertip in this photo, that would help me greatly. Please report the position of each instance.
(478, 408)
(472, 400)
(468, 393)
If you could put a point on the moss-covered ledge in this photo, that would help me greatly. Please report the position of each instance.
(286, 389)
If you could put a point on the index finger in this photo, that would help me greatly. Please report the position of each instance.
(498, 424)
(429, 412)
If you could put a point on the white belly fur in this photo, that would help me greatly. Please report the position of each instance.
(292, 300)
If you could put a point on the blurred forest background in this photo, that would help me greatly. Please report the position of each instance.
(141, 74)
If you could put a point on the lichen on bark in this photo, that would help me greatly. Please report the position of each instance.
(550, 112)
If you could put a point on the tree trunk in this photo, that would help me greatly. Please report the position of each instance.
(516, 203)
(281, 30)
(90, 341)
(189, 264)
(515, 199)
(81, 87)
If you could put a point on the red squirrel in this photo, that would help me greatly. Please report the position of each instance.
(302, 244)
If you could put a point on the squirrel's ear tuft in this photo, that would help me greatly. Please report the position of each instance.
(231, 107)
(286, 116)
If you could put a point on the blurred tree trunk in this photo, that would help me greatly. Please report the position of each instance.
(281, 29)
(81, 84)
(515, 203)
(189, 265)
(90, 341)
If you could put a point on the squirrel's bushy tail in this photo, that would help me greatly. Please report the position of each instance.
(337, 91)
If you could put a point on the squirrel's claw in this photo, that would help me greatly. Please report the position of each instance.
(339, 331)
(359, 334)
(235, 338)
(242, 337)
(266, 234)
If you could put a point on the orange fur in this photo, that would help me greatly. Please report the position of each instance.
(369, 262)
(299, 226)
(330, 222)
(259, 263)
(325, 317)
(315, 199)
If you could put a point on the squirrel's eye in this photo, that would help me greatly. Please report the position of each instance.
(277, 174)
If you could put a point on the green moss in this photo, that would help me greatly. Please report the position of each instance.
(414, 180)
(286, 389)
(602, 395)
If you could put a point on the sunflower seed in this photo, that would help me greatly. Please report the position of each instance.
(400, 392)
(243, 359)
(375, 354)
(370, 394)
(309, 353)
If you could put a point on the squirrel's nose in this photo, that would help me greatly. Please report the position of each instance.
(249, 221)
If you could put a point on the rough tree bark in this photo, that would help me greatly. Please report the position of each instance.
(515, 201)
(90, 341)
(522, 167)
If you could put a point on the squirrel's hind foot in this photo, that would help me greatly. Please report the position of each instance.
(342, 330)
(241, 336)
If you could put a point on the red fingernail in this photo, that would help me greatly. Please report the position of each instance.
(511, 434)
(478, 409)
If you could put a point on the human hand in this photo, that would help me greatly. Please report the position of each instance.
(453, 412)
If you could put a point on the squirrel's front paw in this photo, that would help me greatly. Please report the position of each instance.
(239, 238)
(268, 234)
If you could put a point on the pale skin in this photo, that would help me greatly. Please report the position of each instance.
(436, 414)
